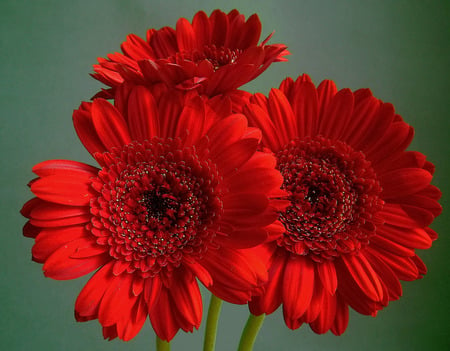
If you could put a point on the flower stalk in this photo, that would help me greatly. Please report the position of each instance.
(162, 345)
(215, 306)
(251, 330)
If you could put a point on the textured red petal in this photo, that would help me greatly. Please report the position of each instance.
(65, 190)
(298, 286)
(61, 222)
(142, 114)
(391, 246)
(253, 180)
(152, 291)
(258, 117)
(231, 159)
(245, 204)
(191, 121)
(341, 319)
(186, 39)
(128, 328)
(350, 293)
(169, 109)
(109, 124)
(30, 231)
(282, 115)
(326, 316)
(325, 93)
(327, 274)
(403, 267)
(117, 301)
(395, 139)
(88, 301)
(365, 277)
(109, 333)
(243, 238)
(163, 317)
(61, 266)
(305, 105)
(136, 48)
(236, 273)
(89, 249)
(250, 33)
(226, 131)
(337, 114)
(271, 299)
(84, 127)
(316, 304)
(362, 139)
(163, 42)
(397, 215)
(387, 276)
(414, 238)
(64, 168)
(186, 295)
(362, 118)
(201, 273)
(404, 181)
(202, 30)
(49, 240)
(219, 27)
(48, 211)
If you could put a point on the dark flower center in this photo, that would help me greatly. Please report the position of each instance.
(217, 56)
(158, 204)
(334, 198)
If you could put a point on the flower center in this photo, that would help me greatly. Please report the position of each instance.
(334, 196)
(217, 56)
(220, 56)
(158, 204)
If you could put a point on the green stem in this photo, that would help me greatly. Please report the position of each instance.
(215, 305)
(250, 332)
(162, 345)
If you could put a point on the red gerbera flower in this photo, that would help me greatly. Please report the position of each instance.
(215, 54)
(180, 194)
(360, 205)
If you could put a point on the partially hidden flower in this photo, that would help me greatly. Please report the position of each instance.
(181, 194)
(215, 54)
(360, 205)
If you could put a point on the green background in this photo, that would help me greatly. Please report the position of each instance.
(400, 49)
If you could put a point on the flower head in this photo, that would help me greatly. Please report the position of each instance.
(360, 205)
(174, 199)
(215, 54)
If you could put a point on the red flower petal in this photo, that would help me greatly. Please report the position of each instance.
(165, 327)
(404, 181)
(327, 275)
(364, 275)
(142, 114)
(337, 114)
(272, 297)
(186, 295)
(186, 39)
(326, 316)
(110, 126)
(341, 319)
(85, 129)
(298, 286)
(61, 266)
(88, 301)
(63, 168)
(66, 190)
(49, 240)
